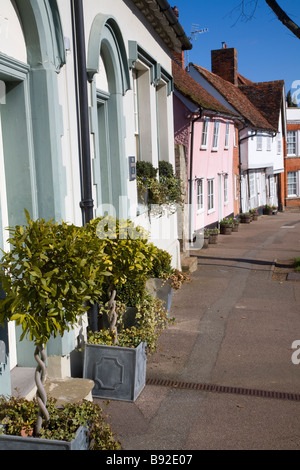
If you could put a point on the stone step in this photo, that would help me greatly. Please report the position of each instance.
(189, 264)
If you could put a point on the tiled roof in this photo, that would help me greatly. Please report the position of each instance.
(267, 97)
(238, 100)
(190, 89)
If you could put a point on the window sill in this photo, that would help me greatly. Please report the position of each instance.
(211, 211)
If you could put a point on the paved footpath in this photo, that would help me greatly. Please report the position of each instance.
(234, 328)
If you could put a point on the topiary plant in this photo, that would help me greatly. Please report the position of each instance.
(51, 271)
(130, 257)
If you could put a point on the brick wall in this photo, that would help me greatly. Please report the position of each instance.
(224, 64)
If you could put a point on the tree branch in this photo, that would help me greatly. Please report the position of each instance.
(284, 18)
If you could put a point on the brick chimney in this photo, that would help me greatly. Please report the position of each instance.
(224, 64)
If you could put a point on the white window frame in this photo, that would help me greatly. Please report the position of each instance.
(295, 183)
(227, 134)
(210, 195)
(200, 194)
(293, 143)
(259, 142)
(226, 192)
(216, 135)
(204, 136)
(269, 142)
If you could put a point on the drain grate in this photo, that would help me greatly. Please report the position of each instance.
(224, 389)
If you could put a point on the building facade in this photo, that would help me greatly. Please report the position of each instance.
(261, 139)
(85, 91)
(292, 159)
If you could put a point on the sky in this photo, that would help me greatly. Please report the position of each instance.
(266, 49)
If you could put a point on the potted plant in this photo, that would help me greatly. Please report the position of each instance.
(274, 210)
(254, 214)
(160, 185)
(268, 210)
(49, 275)
(236, 223)
(206, 238)
(245, 217)
(226, 226)
(66, 428)
(213, 235)
(116, 365)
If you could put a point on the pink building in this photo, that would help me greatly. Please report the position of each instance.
(206, 130)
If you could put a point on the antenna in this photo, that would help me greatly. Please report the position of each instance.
(195, 30)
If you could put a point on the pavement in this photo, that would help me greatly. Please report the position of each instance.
(236, 323)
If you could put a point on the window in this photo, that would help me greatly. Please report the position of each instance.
(204, 133)
(291, 143)
(225, 189)
(269, 141)
(236, 187)
(200, 195)
(227, 135)
(259, 142)
(272, 186)
(216, 135)
(292, 183)
(252, 184)
(210, 195)
(278, 143)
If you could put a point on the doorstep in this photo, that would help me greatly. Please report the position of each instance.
(189, 264)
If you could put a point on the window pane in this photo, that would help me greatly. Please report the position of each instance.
(292, 183)
(291, 143)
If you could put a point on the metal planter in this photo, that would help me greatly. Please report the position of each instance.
(119, 373)
(80, 442)
(161, 289)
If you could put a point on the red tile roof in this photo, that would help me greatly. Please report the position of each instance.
(267, 98)
(190, 89)
(240, 101)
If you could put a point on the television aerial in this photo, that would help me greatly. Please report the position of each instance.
(194, 32)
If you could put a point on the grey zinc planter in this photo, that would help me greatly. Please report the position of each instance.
(119, 373)
(162, 289)
(80, 442)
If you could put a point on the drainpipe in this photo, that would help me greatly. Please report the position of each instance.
(191, 169)
(86, 202)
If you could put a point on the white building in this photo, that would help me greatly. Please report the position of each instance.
(75, 103)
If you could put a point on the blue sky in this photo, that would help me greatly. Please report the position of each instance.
(266, 49)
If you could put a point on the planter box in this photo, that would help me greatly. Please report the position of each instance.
(161, 289)
(235, 228)
(268, 211)
(205, 242)
(225, 229)
(213, 238)
(118, 373)
(80, 442)
(246, 219)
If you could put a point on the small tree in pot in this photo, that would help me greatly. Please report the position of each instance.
(48, 276)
